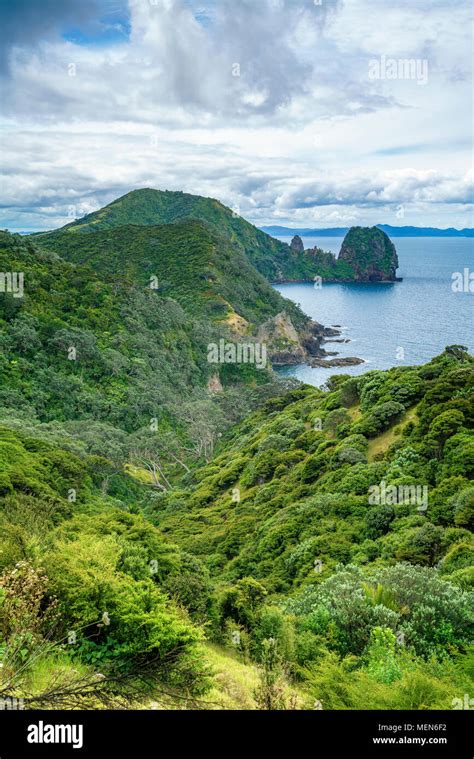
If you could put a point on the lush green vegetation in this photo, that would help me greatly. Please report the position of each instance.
(275, 260)
(100, 362)
(103, 396)
(188, 261)
(377, 592)
(270, 257)
(367, 255)
(266, 546)
(303, 467)
(333, 599)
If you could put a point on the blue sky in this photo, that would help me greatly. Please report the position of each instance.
(112, 26)
(289, 111)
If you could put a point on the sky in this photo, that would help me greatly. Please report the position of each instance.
(314, 113)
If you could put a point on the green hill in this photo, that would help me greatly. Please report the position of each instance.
(272, 258)
(366, 255)
(101, 356)
(317, 541)
(190, 261)
(203, 269)
(304, 465)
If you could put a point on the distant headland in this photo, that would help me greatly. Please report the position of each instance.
(367, 254)
(389, 230)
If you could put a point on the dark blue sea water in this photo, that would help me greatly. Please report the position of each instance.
(403, 323)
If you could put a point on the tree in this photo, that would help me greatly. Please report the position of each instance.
(444, 426)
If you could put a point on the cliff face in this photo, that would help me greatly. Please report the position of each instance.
(370, 253)
(283, 341)
(288, 347)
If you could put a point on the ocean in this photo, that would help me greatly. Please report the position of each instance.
(402, 323)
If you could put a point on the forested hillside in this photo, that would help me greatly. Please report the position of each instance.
(104, 397)
(184, 534)
(338, 528)
(304, 465)
(367, 254)
(99, 354)
(272, 258)
(189, 261)
(118, 572)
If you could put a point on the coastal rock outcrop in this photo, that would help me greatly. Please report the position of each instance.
(285, 346)
(342, 361)
(297, 244)
(371, 255)
(282, 340)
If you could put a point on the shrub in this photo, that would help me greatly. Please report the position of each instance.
(463, 505)
(444, 426)
(378, 521)
(242, 602)
(382, 664)
(342, 601)
(275, 443)
(436, 615)
(460, 556)
(432, 614)
(88, 584)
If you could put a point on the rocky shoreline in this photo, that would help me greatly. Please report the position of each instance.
(339, 281)
(287, 347)
(342, 361)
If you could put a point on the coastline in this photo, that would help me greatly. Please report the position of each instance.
(337, 281)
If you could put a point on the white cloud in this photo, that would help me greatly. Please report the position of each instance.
(302, 134)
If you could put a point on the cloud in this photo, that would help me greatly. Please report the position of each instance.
(251, 61)
(405, 186)
(266, 105)
(25, 23)
(51, 174)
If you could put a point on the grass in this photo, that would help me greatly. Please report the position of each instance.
(236, 681)
(354, 413)
(382, 442)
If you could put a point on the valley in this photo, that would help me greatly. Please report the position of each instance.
(180, 533)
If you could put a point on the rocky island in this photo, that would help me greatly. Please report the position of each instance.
(367, 255)
(371, 254)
